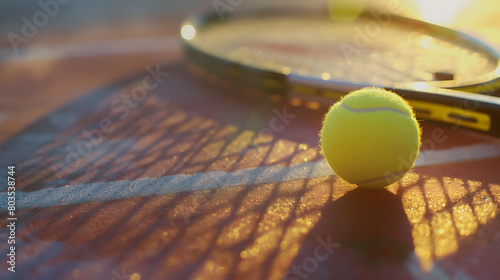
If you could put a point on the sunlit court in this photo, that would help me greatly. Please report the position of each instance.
(250, 139)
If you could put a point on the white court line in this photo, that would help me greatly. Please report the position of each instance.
(93, 49)
(145, 187)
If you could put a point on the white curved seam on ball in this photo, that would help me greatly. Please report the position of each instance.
(372, 109)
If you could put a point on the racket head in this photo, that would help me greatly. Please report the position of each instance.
(305, 55)
(396, 51)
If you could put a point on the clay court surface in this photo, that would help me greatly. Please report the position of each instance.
(130, 167)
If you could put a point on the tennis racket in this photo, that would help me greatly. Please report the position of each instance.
(306, 58)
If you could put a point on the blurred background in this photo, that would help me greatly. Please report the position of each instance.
(475, 16)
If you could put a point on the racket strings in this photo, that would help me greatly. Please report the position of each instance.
(311, 47)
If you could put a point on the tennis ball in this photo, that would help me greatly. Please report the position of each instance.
(370, 137)
(345, 10)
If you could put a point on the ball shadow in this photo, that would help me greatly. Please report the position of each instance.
(363, 235)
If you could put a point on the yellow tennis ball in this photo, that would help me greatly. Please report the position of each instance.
(370, 137)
